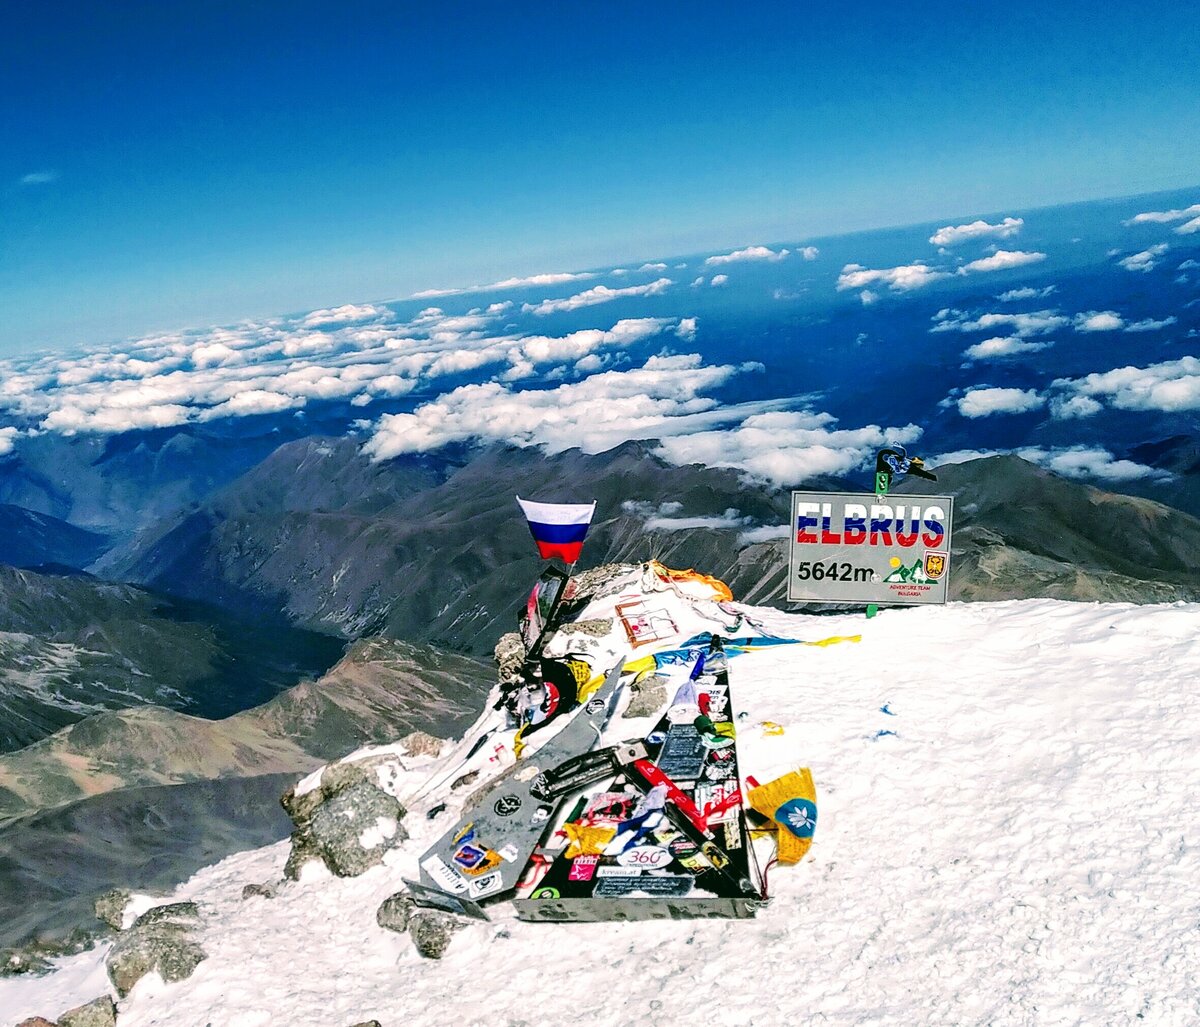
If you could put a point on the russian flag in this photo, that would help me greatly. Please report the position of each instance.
(558, 528)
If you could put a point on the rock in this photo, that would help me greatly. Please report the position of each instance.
(304, 850)
(348, 821)
(597, 628)
(166, 947)
(396, 912)
(100, 1012)
(432, 930)
(418, 743)
(265, 891)
(187, 913)
(591, 584)
(368, 1023)
(110, 907)
(37, 1021)
(462, 782)
(356, 827)
(510, 657)
(16, 962)
(649, 696)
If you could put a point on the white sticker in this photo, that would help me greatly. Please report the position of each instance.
(508, 853)
(489, 884)
(446, 878)
(645, 857)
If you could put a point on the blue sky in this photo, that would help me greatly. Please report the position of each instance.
(164, 167)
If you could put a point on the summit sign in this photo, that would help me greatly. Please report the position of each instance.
(851, 548)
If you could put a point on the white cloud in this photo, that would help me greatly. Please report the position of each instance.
(1077, 462)
(653, 267)
(1172, 386)
(1146, 260)
(553, 278)
(808, 252)
(1098, 321)
(786, 447)
(346, 313)
(868, 297)
(765, 533)
(984, 402)
(1037, 322)
(1189, 228)
(596, 295)
(1001, 260)
(1150, 325)
(1068, 408)
(8, 439)
(952, 235)
(39, 178)
(1026, 293)
(749, 253)
(663, 397)
(663, 517)
(1001, 346)
(542, 349)
(899, 279)
(1188, 264)
(1163, 217)
(719, 280)
(686, 329)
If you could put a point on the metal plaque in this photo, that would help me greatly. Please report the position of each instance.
(857, 548)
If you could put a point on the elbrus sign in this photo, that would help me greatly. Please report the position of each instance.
(850, 548)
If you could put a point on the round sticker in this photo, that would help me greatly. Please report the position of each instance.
(507, 805)
(546, 893)
(799, 816)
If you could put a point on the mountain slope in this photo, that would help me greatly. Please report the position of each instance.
(416, 557)
(30, 539)
(379, 691)
(1022, 531)
(74, 645)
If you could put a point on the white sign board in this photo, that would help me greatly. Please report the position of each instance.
(851, 548)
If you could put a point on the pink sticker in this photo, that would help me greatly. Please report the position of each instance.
(583, 868)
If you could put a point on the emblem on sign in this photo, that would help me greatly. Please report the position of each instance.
(935, 565)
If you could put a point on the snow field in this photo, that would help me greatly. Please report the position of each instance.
(1022, 850)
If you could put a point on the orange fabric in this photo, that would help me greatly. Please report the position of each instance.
(668, 574)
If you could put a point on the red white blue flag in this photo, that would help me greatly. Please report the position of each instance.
(558, 528)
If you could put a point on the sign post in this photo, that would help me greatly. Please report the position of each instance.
(855, 548)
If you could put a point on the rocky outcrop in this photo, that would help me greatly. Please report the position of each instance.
(266, 890)
(162, 940)
(110, 907)
(100, 1012)
(350, 819)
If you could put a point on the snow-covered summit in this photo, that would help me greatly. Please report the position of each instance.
(1007, 835)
